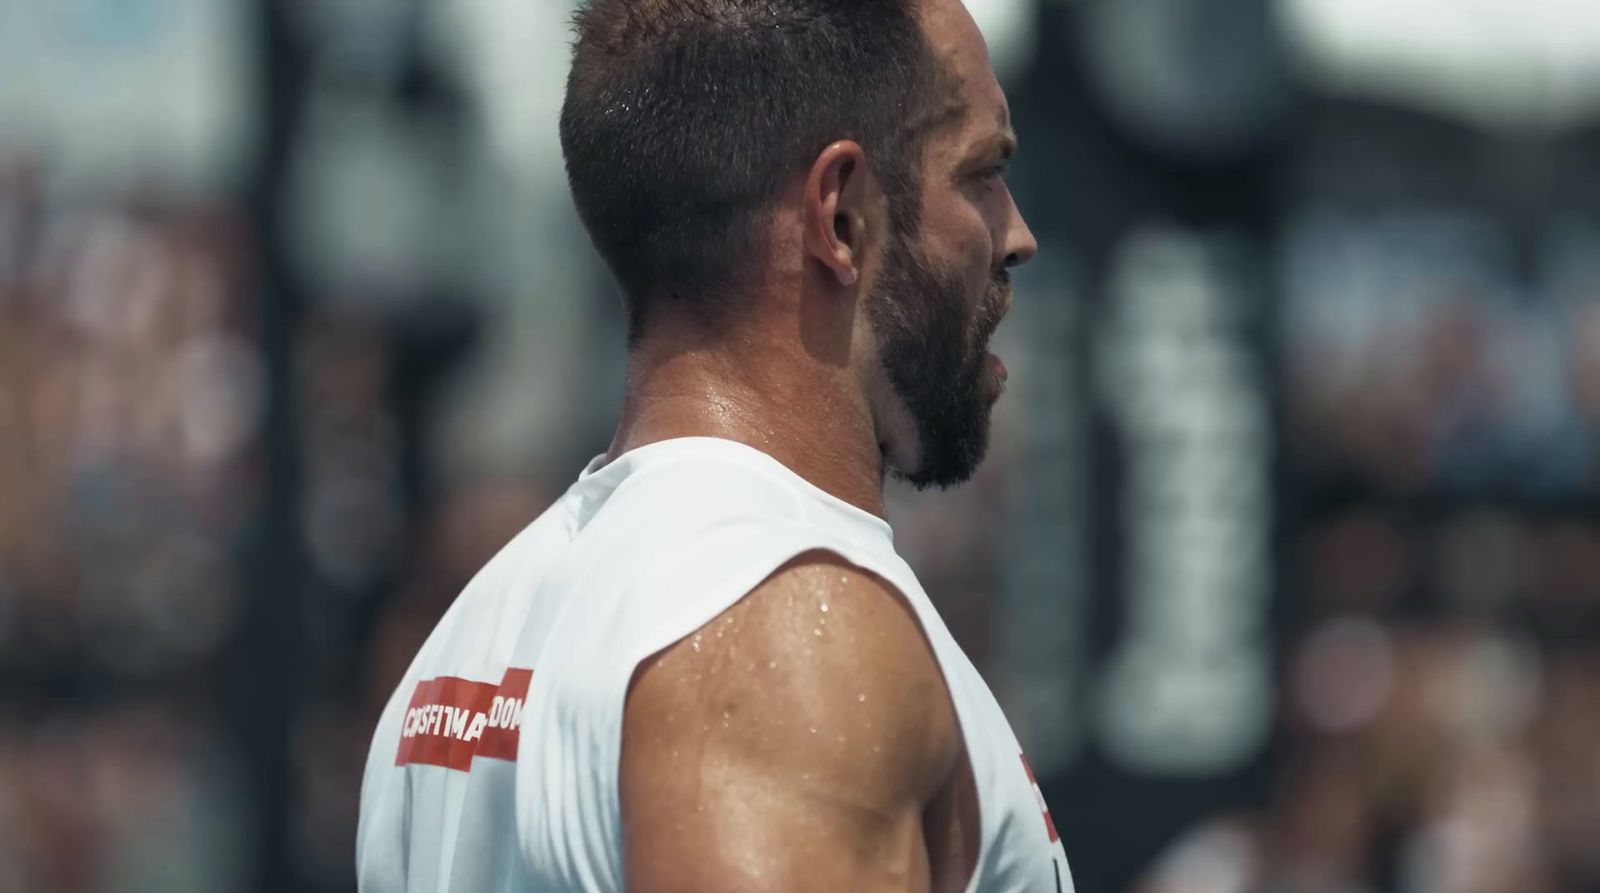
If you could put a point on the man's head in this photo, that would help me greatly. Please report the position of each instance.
(846, 153)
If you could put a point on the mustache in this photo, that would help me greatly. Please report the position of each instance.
(996, 301)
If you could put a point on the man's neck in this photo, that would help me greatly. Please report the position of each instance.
(807, 417)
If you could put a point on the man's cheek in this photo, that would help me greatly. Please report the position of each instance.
(980, 286)
(978, 257)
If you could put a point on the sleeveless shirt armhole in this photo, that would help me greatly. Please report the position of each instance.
(766, 554)
(770, 550)
(762, 552)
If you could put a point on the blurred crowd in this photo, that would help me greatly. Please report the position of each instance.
(132, 474)
(1426, 357)
(1440, 671)
(130, 398)
(1440, 708)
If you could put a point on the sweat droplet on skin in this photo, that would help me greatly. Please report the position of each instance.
(772, 665)
(862, 697)
(824, 607)
(815, 632)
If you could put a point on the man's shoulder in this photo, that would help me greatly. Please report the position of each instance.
(807, 721)
(823, 661)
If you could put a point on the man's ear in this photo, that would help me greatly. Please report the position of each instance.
(838, 190)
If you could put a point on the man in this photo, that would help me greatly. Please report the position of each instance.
(705, 668)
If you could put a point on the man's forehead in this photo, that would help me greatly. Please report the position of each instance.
(952, 29)
(954, 37)
(984, 116)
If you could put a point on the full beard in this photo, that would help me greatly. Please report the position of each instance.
(934, 350)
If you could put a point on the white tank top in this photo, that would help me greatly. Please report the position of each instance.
(495, 765)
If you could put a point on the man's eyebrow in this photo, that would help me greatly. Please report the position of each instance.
(1003, 143)
(984, 151)
(1008, 144)
(1008, 135)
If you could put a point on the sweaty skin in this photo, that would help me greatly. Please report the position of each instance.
(796, 743)
(805, 740)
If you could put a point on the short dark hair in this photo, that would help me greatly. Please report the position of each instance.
(683, 118)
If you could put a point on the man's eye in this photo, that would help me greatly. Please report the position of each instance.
(993, 173)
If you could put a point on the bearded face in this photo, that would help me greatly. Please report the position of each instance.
(934, 348)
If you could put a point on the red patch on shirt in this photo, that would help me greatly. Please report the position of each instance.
(451, 720)
(1038, 794)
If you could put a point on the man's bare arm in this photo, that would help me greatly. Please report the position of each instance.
(792, 744)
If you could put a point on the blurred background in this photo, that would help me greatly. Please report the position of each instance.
(1286, 563)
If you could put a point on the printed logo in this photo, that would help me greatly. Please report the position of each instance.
(451, 720)
(1038, 795)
